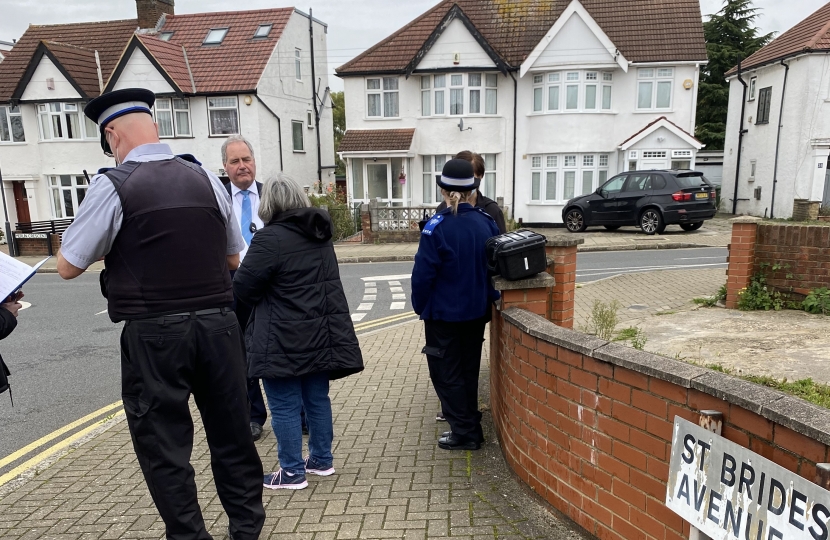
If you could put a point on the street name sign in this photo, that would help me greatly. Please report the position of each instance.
(729, 492)
(31, 235)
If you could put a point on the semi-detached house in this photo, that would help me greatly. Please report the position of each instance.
(557, 96)
(214, 75)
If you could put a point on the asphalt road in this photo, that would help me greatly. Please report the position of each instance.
(64, 354)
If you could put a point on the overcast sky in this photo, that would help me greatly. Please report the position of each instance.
(354, 25)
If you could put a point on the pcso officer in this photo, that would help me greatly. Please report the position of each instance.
(452, 293)
(240, 165)
(165, 228)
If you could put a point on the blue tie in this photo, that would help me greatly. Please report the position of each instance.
(246, 217)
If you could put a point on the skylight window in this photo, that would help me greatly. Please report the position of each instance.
(165, 36)
(215, 36)
(263, 31)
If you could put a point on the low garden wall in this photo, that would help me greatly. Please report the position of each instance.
(793, 258)
(587, 424)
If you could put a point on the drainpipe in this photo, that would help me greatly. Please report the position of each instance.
(778, 140)
(279, 126)
(314, 98)
(515, 122)
(741, 132)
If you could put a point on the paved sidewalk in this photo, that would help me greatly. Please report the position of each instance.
(391, 482)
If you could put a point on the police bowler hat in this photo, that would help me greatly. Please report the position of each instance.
(458, 176)
(107, 107)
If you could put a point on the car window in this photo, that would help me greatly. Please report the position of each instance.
(614, 185)
(691, 182)
(658, 182)
(638, 182)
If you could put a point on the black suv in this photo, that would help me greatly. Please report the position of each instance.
(648, 199)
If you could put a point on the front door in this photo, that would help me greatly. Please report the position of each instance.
(21, 202)
(383, 181)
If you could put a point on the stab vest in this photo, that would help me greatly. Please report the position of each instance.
(170, 254)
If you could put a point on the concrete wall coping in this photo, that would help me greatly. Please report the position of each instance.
(746, 219)
(564, 242)
(541, 280)
(789, 411)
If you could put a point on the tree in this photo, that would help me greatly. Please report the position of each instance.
(338, 103)
(730, 36)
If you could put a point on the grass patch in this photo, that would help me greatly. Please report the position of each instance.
(627, 333)
(665, 313)
(806, 389)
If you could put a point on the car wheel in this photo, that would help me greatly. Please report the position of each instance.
(652, 222)
(691, 226)
(612, 227)
(575, 220)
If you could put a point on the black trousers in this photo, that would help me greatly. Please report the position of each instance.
(258, 411)
(163, 361)
(453, 352)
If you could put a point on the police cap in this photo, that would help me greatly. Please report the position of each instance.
(111, 105)
(458, 176)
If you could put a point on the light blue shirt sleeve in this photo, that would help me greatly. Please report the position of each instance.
(92, 233)
(235, 241)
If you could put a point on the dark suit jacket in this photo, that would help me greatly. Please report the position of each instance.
(243, 311)
(258, 188)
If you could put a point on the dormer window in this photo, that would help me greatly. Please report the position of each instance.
(165, 36)
(263, 30)
(215, 36)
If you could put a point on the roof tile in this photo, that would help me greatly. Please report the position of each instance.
(376, 140)
(171, 57)
(79, 63)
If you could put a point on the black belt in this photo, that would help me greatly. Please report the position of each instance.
(210, 311)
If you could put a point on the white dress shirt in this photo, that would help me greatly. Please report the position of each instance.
(237, 196)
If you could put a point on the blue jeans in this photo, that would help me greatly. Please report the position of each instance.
(286, 397)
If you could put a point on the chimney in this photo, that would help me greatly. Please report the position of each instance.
(150, 11)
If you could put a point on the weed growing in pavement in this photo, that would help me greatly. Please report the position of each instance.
(806, 389)
(626, 333)
(818, 301)
(758, 296)
(635, 335)
(665, 313)
(604, 319)
(712, 301)
(639, 341)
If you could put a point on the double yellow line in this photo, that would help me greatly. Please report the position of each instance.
(384, 321)
(54, 449)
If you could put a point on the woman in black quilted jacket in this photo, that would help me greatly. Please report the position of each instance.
(300, 334)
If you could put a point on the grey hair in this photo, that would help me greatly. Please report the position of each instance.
(279, 194)
(234, 139)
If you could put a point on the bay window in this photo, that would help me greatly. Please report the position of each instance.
(488, 186)
(467, 93)
(65, 121)
(432, 167)
(11, 125)
(68, 192)
(572, 91)
(382, 97)
(654, 88)
(223, 113)
(557, 178)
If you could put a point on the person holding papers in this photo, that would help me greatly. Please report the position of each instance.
(165, 227)
(8, 322)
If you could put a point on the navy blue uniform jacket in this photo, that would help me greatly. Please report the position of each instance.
(450, 280)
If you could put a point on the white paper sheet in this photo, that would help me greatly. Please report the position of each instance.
(13, 274)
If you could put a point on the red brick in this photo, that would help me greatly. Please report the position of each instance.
(614, 467)
(700, 402)
(556, 402)
(761, 447)
(649, 403)
(557, 368)
(661, 513)
(683, 413)
(583, 379)
(738, 437)
(569, 426)
(627, 530)
(615, 429)
(570, 357)
(629, 415)
(599, 367)
(547, 349)
(604, 533)
(630, 455)
(631, 378)
(536, 295)
(648, 485)
(614, 504)
(647, 523)
(615, 391)
(537, 360)
(597, 511)
(658, 469)
(567, 390)
(529, 341)
(651, 445)
(801, 445)
(512, 296)
(749, 421)
(668, 390)
(784, 458)
(659, 428)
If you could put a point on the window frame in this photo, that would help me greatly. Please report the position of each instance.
(753, 87)
(215, 108)
(220, 40)
(294, 132)
(9, 114)
(764, 103)
(54, 184)
(257, 35)
(46, 110)
(547, 83)
(298, 64)
(560, 164)
(430, 177)
(655, 79)
(382, 92)
(174, 119)
(166, 36)
(441, 97)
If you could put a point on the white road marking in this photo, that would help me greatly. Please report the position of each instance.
(370, 284)
(365, 307)
(101, 312)
(370, 291)
(24, 305)
(396, 289)
(397, 305)
(370, 298)
(398, 297)
(649, 268)
(387, 278)
(357, 316)
(696, 258)
(395, 283)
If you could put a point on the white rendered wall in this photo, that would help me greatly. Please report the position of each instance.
(455, 39)
(141, 73)
(37, 90)
(574, 44)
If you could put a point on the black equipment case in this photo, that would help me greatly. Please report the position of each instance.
(517, 255)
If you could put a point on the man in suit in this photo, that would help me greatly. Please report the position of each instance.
(240, 166)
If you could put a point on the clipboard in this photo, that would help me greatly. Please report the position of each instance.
(14, 274)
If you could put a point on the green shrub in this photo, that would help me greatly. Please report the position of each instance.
(818, 301)
(604, 319)
(342, 215)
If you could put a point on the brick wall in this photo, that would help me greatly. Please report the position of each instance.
(36, 247)
(384, 237)
(801, 251)
(587, 424)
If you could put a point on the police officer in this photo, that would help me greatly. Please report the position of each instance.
(452, 293)
(165, 228)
